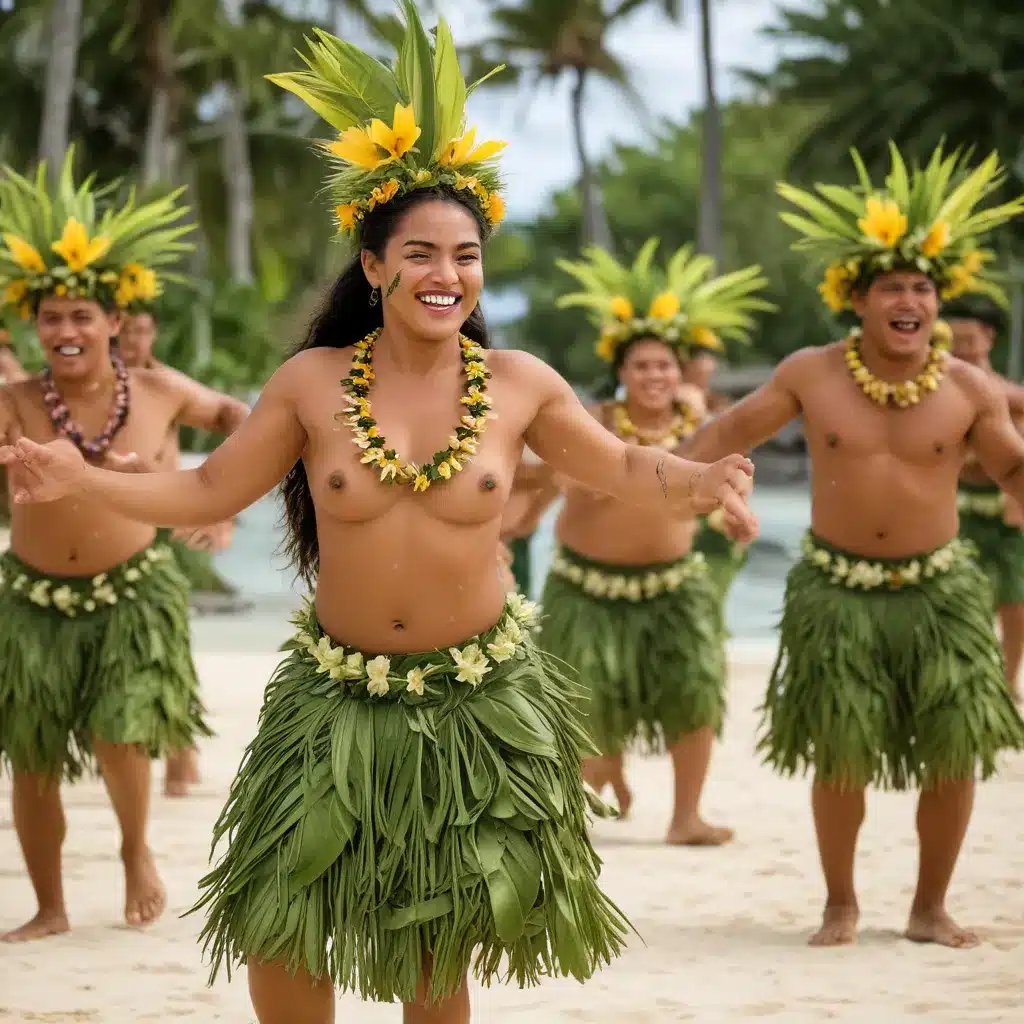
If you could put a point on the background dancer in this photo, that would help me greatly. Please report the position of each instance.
(989, 518)
(95, 661)
(889, 671)
(626, 603)
(193, 548)
(401, 815)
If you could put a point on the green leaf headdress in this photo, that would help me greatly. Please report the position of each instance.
(682, 303)
(920, 219)
(401, 128)
(71, 241)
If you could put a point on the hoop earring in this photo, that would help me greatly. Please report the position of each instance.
(374, 296)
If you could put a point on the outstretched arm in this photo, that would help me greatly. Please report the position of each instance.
(202, 407)
(573, 443)
(244, 468)
(752, 421)
(994, 437)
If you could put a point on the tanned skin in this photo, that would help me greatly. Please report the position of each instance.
(423, 564)
(136, 340)
(884, 485)
(83, 536)
(972, 342)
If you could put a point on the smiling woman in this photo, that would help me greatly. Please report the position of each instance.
(411, 805)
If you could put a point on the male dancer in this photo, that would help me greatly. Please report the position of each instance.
(626, 603)
(193, 549)
(985, 518)
(889, 671)
(95, 659)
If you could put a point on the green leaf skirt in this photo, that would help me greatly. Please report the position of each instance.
(105, 657)
(405, 807)
(999, 547)
(724, 557)
(648, 643)
(888, 685)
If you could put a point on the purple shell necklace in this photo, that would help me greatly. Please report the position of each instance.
(60, 414)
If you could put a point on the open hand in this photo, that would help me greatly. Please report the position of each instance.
(726, 485)
(206, 538)
(43, 472)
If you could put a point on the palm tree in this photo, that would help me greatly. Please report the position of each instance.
(544, 41)
(65, 18)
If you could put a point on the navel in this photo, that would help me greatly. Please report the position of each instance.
(488, 483)
(336, 481)
(939, 447)
(881, 535)
(832, 440)
(398, 625)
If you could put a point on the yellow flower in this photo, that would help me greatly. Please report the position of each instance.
(936, 240)
(883, 221)
(24, 311)
(415, 681)
(494, 209)
(355, 146)
(377, 670)
(76, 248)
(383, 193)
(60, 291)
(15, 292)
(347, 214)
(461, 151)
(401, 136)
(835, 289)
(704, 338)
(463, 182)
(664, 306)
(125, 294)
(973, 261)
(142, 279)
(606, 348)
(960, 280)
(472, 663)
(26, 256)
(621, 308)
(421, 483)
(942, 333)
(444, 470)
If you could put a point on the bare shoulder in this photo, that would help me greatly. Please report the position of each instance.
(981, 388)
(807, 365)
(520, 367)
(14, 396)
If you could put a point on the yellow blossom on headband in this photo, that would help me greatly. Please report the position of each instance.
(143, 281)
(835, 289)
(664, 306)
(883, 221)
(77, 249)
(348, 214)
(15, 292)
(704, 338)
(401, 136)
(606, 348)
(461, 151)
(494, 208)
(936, 240)
(973, 261)
(621, 308)
(356, 147)
(26, 256)
(383, 193)
(960, 280)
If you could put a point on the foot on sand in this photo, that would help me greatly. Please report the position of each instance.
(938, 927)
(180, 771)
(44, 924)
(145, 896)
(623, 797)
(697, 832)
(838, 927)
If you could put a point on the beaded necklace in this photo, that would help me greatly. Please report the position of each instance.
(684, 423)
(60, 414)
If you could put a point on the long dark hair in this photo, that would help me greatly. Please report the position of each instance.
(345, 317)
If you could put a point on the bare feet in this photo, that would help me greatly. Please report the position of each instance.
(623, 797)
(145, 896)
(838, 927)
(697, 832)
(181, 770)
(44, 924)
(937, 926)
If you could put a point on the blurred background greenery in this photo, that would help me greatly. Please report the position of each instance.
(168, 92)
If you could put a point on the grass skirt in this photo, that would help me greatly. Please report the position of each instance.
(724, 557)
(390, 808)
(105, 657)
(889, 672)
(999, 548)
(648, 643)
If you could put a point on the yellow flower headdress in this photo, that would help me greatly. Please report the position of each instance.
(682, 303)
(400, 129)
(60, 243)
(922, 219)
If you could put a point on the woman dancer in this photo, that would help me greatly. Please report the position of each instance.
(626, 602)
(411, 804)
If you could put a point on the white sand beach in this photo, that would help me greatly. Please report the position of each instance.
(723, 931)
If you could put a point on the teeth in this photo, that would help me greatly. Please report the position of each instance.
(70, 350)
(439, 300)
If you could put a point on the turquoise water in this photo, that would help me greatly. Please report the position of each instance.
(755, 602)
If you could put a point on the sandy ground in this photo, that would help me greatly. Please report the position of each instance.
(723, 931)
